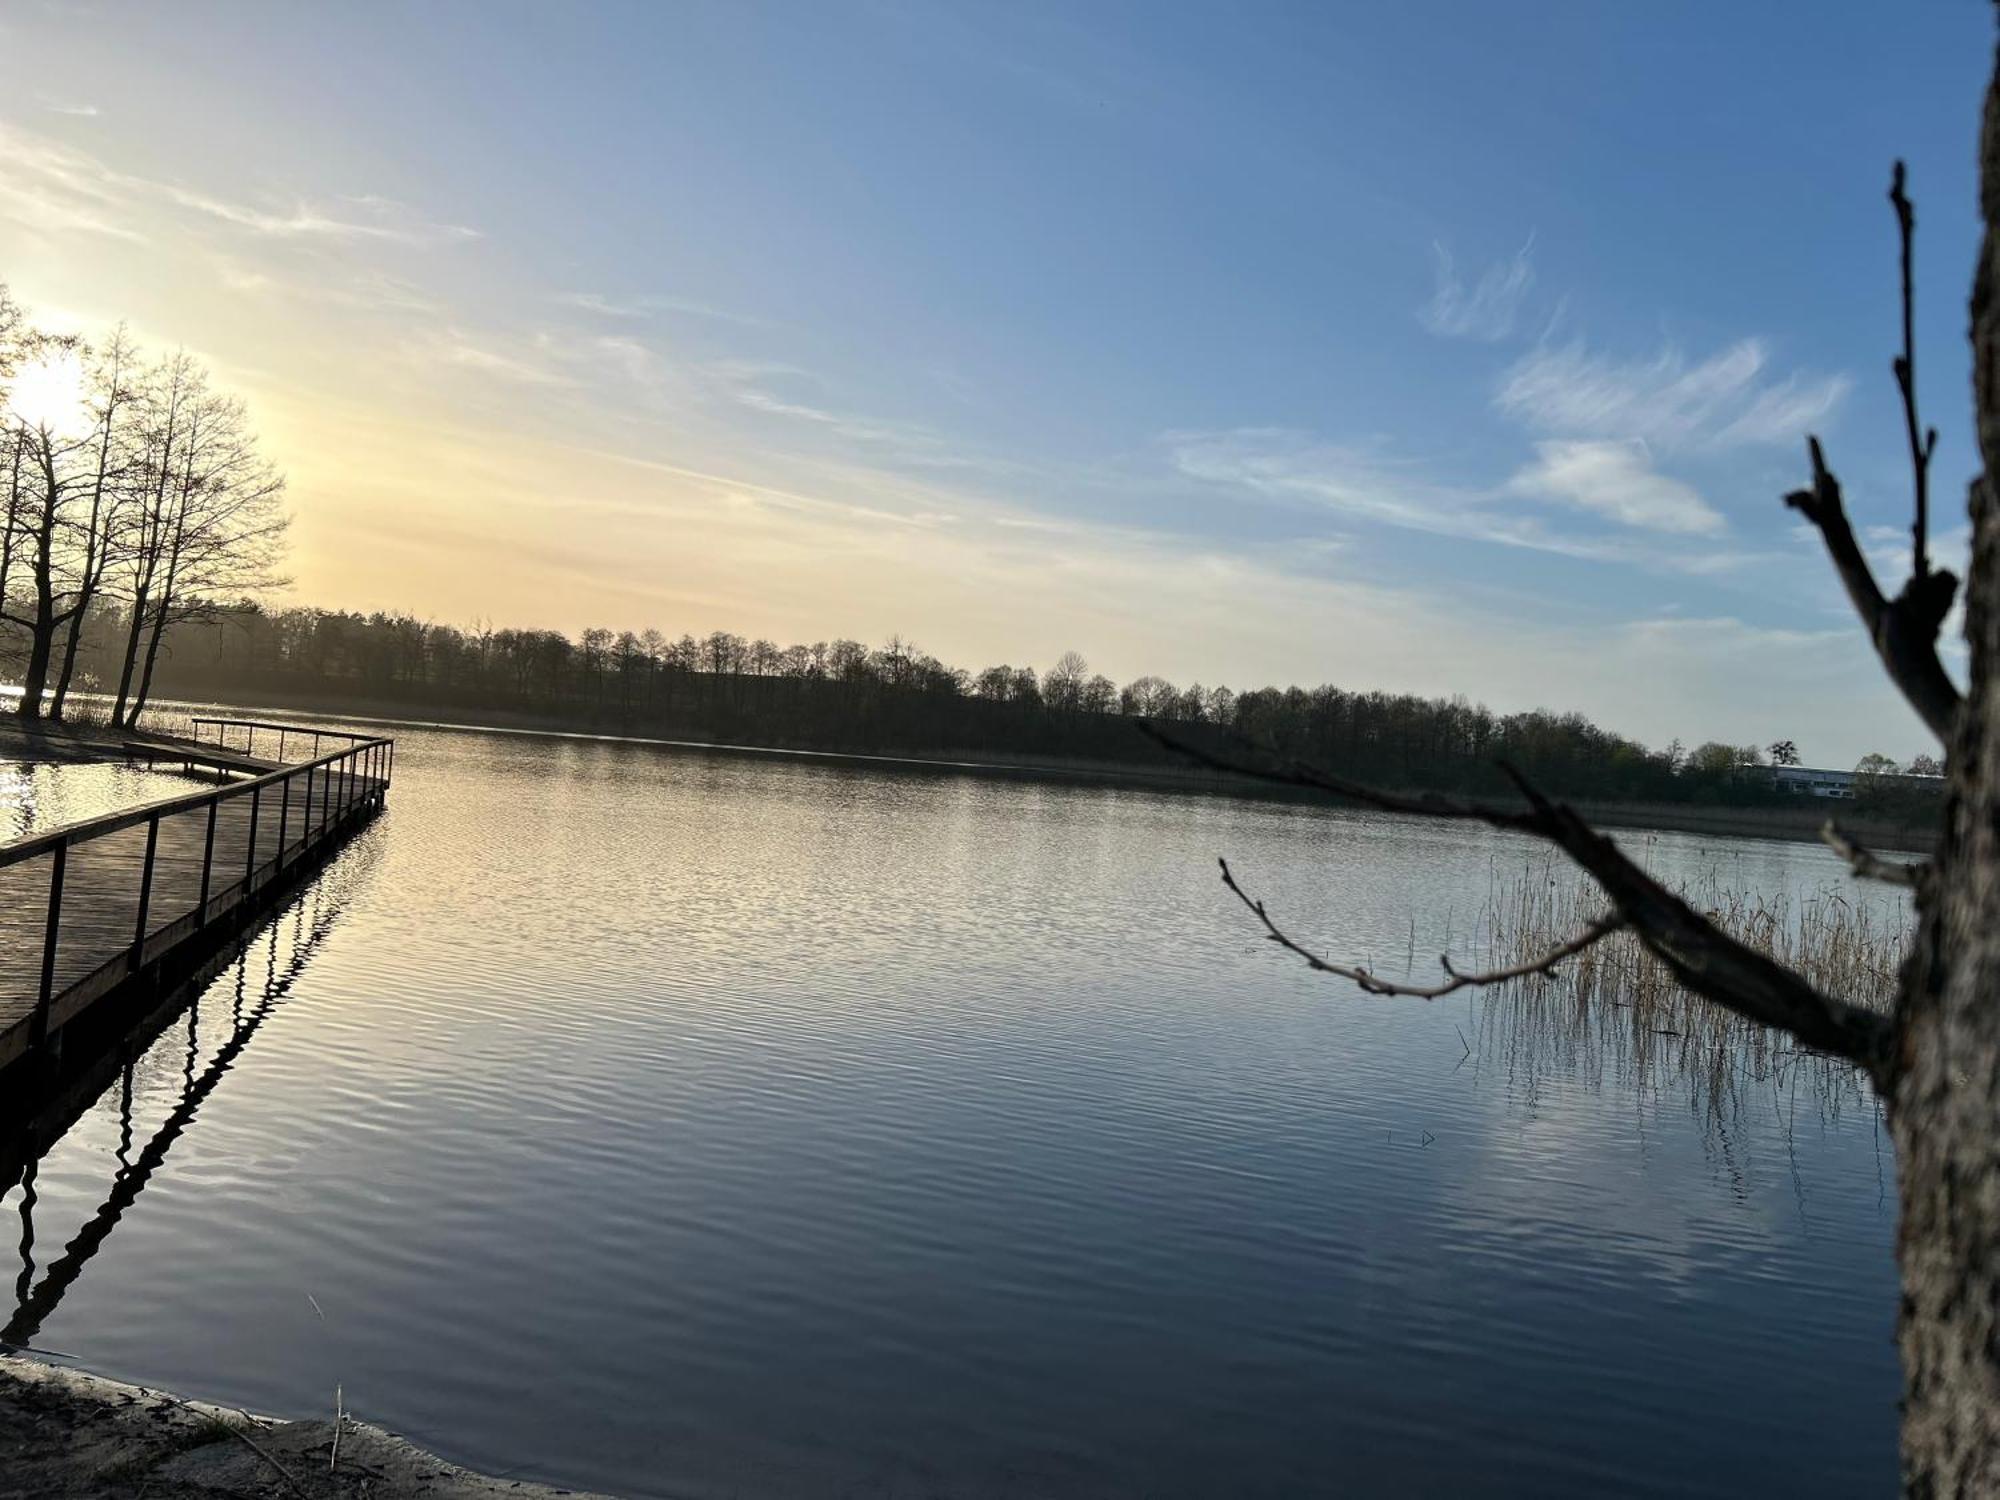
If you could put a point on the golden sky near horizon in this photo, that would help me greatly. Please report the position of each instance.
(522, 370)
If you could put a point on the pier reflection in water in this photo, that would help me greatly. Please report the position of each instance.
(172, 1031)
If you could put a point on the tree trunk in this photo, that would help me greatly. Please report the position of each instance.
(1945, 1106)
(152, 659)
(97, 539)
(71, 641)
(42, 630)
(13, 519)
(35, 678)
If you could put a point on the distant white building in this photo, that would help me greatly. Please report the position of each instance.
(1806, 781)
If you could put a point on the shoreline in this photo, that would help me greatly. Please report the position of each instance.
(66, 1434)
(1798, 824)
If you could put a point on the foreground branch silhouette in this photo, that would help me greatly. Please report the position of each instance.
(1374, 984)
(1935, 1057)
(1871, 866)
(1698, 953)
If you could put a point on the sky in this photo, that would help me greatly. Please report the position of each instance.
(1451, 349)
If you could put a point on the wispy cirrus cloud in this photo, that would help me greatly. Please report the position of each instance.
(1486, 309)
(1615, 486)
(1728, 400)
(1615, 479)
(378, 219)
(48, 185)
(652, 305)
(450, 347)
(748, 385)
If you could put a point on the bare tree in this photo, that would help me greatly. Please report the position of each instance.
(224, 529)
(168, 393)
(112, 395)
(17, 452)
(1062, 687)
(52, 478)
(1934, 1059)
(12, 327)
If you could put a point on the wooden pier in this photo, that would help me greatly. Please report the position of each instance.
(93, 907)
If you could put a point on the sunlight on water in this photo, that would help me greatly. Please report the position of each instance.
(678, 1124)
(38, 796)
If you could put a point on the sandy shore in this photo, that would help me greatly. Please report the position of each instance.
(67, 1435)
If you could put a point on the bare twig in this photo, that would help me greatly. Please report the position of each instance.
(1699, 955)
(1904, 630)
(339, 1421)
(265, 1453)
(1870, 866)
(251, 1443)
(1374, 984)
(1923, 443)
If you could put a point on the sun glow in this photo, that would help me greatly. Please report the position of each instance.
(49, 393)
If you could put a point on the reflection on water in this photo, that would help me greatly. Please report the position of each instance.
(1613, 1015)
(39, 795)
(700, 1125)
(300, 931)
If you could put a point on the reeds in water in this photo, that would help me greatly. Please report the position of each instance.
(1616, 1006)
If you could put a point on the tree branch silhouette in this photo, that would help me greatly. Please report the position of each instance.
(1869, 865)
(1374, 984)
(1904, 630)
(1923, 442)
(1698, 954)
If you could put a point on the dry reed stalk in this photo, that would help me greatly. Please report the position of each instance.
(1616, 1006)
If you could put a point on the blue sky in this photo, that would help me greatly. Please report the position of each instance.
(1442, 348)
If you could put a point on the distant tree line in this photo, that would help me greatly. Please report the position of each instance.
(896, 699)
(134, 493)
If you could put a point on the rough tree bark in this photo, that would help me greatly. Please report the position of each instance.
(1944, 1106)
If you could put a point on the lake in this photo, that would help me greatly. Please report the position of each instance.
(726, 1125)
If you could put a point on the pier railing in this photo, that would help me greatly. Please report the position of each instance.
(241, 735)
(84, 907)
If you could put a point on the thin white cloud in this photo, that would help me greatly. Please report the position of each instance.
(302, 221)
(1487, 309)
(352, 286)
(650, 305)
(1726, 401)
(80, 111)
(452, 348)
(1715, 634)
(1289, 466)
(1616, 480)
(908, 441)
(51, 186)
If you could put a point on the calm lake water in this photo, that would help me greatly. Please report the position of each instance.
(711, 1125)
